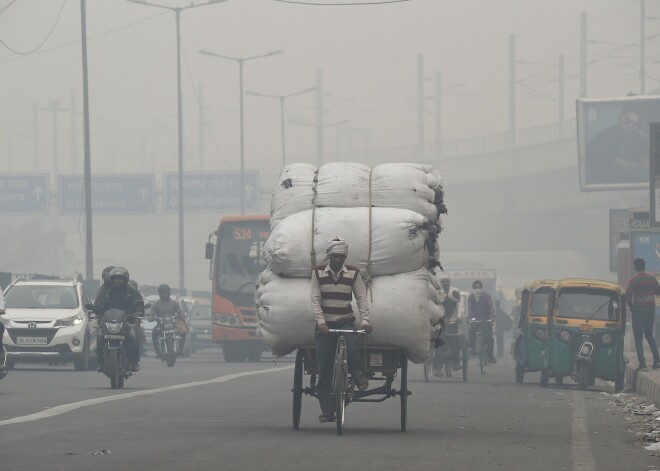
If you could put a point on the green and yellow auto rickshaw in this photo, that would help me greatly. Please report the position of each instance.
(585, 332)
(530, 335)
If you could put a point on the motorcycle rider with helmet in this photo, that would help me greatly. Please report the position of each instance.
(165, 306)
(120, 295)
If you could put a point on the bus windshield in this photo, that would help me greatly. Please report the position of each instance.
(580, 303)
(239, 259)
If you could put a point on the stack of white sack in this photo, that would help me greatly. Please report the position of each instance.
(403, 310)
(401, 240)
(415, 187)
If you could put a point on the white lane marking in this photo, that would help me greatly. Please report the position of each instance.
(583, 458)
(64, 408)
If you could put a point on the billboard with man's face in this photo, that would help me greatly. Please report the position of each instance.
(613, 142)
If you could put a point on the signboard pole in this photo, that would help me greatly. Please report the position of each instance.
(89, 246)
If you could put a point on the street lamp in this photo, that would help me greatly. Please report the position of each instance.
(177, 13)
(240, 61)
(281, 98)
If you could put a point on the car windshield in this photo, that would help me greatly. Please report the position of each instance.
(42, 297)
(540, 302)
(201, 311)
(580, 303)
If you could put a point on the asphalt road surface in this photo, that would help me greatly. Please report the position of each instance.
(205, 414)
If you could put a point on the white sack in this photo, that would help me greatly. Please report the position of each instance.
(401, 313)
(415, 187)
(294, 192)
(398, 236)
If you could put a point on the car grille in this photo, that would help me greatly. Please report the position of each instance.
(48, 333)
(61, 349)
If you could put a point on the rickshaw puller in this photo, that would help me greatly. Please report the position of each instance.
(332, 289)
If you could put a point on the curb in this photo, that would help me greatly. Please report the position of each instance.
(644, 384)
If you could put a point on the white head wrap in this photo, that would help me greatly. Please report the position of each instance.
(336, 246)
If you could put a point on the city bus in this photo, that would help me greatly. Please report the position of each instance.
(236, 262)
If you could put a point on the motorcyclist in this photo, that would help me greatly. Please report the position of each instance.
(120, 295)
(166, 306)
(105, 280)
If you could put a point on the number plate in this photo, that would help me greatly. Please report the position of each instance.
(114, 337)
(376, 359)
(204, 336)
(31, 341)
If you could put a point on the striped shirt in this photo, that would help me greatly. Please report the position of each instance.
(641, 292)
(332, 294)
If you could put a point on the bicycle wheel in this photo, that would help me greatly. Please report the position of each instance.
(429, 369)
(297, 389)
(340, 383)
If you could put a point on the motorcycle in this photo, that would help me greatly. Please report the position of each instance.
(170, 343)
(116, 327)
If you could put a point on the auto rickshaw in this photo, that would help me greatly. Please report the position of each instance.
(585, 332)
(530, 334)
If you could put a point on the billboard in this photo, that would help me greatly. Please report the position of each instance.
(613, 141)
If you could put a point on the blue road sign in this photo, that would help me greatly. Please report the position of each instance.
(24, 193)
(219, 191)
(111, 194)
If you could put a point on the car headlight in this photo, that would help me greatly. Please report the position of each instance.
(606, 338)
(113, 328)
(69, 321)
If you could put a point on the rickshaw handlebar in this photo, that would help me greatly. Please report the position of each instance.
(347, 331)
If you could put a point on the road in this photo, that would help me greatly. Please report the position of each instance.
(205, 414)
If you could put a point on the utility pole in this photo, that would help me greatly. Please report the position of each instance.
(583, 54)
(561, 79)
(319, 115)
(55, 108)
(200, 149)
(438, 112)
(35, 134)
(512, 90)
(420, 106)
(642, 47)
(87, 166)
(74, 143)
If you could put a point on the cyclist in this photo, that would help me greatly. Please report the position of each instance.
(451, 301)
(332, 290)
(481, 308)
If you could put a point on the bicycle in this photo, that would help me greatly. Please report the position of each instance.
(381, 363)
(442, 358)
(480, 344)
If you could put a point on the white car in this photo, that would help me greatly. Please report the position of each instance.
(46, 321)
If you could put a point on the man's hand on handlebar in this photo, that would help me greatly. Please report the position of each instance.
(367, 328)
(323, 329)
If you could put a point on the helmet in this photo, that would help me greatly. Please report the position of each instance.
(164, 290)
(119, 272)
(105, 274)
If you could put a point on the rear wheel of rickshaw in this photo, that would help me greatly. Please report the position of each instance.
(403, 393)
(583, 376)
(520, 373)
(297, 389)
(544, 378)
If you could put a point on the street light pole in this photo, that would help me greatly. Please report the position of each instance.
(281, 99)
(240, 61)
(177, 14)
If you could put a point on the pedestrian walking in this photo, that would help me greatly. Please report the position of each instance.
(640, 296)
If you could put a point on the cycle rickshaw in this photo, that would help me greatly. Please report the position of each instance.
(444, 357)
(380, 364)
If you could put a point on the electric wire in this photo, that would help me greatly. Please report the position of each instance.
(21, 53)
